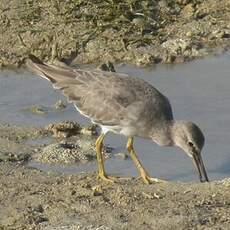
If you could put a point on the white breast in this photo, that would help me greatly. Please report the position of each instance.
(126, 131)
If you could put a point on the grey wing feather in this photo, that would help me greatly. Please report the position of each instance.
(100, 97)
(92, 92)
(52, 73)
(107, 98)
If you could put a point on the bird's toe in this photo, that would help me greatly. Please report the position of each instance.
(106, 178)
(151, 180)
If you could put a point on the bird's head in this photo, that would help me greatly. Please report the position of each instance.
(189, 137)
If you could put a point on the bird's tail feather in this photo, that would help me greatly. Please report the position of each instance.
(50, 72)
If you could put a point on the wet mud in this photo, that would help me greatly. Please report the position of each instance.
(33, 199)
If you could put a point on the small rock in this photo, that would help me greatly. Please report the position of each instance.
(37, 109)
(107, 149)
(64, 129)
(36, 150)
(90, 130)
(220, 34)
(182, 2)
(187, 11)
(152, 196)
(97, 190)
(145, 59)
(200, 13)
(179, 59)
(139, 21)
(65, 153)
(107, 67)
(189, 34)
(122, 156)
(168, 58)
(59, 105)
(147, 196)
(38, 208)
(158, 196)
(73, 192)
(176, 46)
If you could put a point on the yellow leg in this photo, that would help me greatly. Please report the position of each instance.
(143, 173)
(100, 159)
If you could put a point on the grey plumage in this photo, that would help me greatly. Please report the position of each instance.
(124, 101)
(124, 105)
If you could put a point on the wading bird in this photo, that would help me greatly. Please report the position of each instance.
(124, 105)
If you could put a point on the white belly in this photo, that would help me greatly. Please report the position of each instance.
(126, 131)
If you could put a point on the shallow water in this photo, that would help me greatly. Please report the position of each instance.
(198, 91)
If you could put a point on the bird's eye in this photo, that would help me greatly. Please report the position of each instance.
(190, 144)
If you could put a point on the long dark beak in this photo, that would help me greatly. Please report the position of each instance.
(198, 162)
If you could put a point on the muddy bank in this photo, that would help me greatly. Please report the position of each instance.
(138, 32)
(32, 199)
(63, 143)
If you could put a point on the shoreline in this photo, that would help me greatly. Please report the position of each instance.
(34, 199)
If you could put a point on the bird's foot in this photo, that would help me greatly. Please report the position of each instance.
(106, 178)
(149, 180)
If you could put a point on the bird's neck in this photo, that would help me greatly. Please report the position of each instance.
(176, 130)
(162, 134)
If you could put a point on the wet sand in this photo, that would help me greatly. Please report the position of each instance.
(32, 199)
